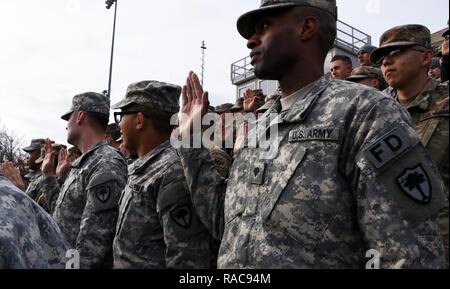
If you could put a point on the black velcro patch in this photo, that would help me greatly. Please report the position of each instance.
(103, 193)
(182, 216)
(416, 184)
(388, 147)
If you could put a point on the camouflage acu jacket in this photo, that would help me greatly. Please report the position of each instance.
(29, 237)
(86, 206)
(158, 226)
(349, 175)
(429, 113)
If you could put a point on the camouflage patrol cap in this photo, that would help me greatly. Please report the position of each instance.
(55, 147)
(89, 102)
(226, 107)
(401, 36)
(363, 72)
(435, 63)
(113, 130)
(152, 94)
(35, 145)
(367, 49)
(74, 151)
(246, 23)
(238, 105)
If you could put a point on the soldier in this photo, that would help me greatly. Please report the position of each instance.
(29, 238)
(364, 55)
(344, 177)
(226, 128)
(444, 55)
(112, 134)
(34, 152)
(368, 75)
(341, 67)
(158, 226)
(435, 69)
(86, 206)
(405, 53)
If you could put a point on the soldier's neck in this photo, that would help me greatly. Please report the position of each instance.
(412, 89)
(89, 141)
(296, 80)
(147, 144)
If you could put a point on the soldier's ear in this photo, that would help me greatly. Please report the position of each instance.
(308, 27)
(140, 121)
(81, 117)
(427, 58)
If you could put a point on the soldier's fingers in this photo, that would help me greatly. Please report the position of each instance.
(189, 90)
(184, 98)
(62, 156)
(48, 147)
(197, 86)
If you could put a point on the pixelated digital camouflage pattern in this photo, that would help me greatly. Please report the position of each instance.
(29, 237)
(321, 203)
(152, 94)
(429, 113)
(86, 206)
(89, 102)
(35, 192)
(158, 226)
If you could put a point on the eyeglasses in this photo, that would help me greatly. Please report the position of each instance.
(446, 37)
(398, 51)
(119, 115)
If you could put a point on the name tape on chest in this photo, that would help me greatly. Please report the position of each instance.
(388, 147)
(309, 134)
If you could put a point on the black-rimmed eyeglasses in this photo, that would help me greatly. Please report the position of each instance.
(397, 51)
(119, 115)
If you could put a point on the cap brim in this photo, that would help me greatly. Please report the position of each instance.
(357, 77)
(66, 116)
(376, 55)
(121, 104)
(29, 149)
(246, 22)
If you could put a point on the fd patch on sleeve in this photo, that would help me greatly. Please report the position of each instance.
(402, 166)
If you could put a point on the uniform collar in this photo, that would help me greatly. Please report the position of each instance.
(140, 164)
(423, 99)
(302, 107)
(79, 162)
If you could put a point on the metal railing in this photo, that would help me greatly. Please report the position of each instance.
(348, 38)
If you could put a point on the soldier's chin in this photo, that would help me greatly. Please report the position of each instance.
(263, 73)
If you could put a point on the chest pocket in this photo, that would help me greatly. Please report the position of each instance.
(282, 169)
(129, 194)
(70, 184)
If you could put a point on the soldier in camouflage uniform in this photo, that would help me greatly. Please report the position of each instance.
(363, 55)
(405, 53)
(33, 151)
(158, 226)
(368, 75)
(29, 237)
(346, 173)
(86, 206)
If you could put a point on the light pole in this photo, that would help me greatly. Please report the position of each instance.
(109, 3)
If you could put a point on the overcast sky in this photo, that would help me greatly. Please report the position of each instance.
(53, 49)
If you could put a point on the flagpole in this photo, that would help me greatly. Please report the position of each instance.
(109, 3)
